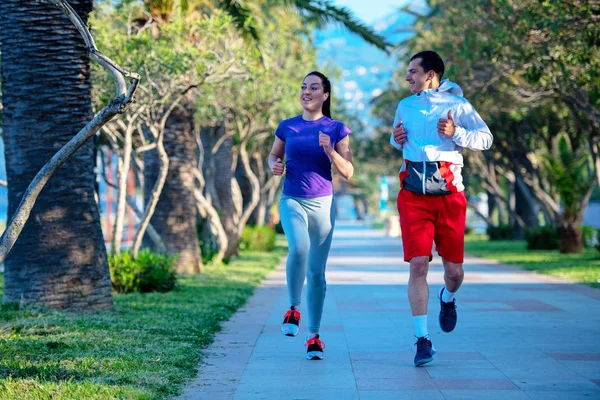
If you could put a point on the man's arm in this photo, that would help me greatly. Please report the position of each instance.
(471, 131)
(398, 136)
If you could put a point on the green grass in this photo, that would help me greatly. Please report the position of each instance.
(581, 268)
(145, 348)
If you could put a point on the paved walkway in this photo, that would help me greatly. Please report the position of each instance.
(519, 336)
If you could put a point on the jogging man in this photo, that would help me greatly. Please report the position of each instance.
(431, 128)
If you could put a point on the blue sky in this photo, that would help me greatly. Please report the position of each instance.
(372, 10)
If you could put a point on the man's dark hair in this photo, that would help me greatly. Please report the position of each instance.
(430, 60)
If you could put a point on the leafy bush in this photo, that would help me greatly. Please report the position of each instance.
(500, 232)
(542, 238)
(590, 236)
(151, 272)
(208, 248)
(469, 230)
(259, 238)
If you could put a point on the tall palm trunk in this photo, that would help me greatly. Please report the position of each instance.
(60, 258)
(176, 213)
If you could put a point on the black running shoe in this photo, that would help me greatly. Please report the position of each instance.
(425, 351)
(447, 314)
(314, 348)
(291, 320)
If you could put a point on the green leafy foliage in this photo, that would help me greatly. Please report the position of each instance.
(258, 238)
(590, 236)
(569, 172)
(150, 272)
(208, 246)
(542, 238)
(500, 232)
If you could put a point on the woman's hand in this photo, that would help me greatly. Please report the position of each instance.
(325, 143)
(278, 168)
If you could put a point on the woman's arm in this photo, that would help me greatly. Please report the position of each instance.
(341, 157)
(276, 157)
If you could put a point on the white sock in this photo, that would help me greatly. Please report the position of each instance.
(447, 296)
(420, 322)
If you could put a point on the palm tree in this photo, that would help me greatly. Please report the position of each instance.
(60, 258)
(569, 171)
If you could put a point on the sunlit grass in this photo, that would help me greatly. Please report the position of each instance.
(145, 348)
(582, 267)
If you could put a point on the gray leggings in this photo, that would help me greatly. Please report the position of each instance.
(308, 226)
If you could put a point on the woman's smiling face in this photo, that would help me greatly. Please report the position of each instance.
(312, 95)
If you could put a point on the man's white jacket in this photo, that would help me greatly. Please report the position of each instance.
(433, 162)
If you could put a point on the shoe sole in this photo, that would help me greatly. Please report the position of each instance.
(287, 332)
(423, 361)
(314, 355)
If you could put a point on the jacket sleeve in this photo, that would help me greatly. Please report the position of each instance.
(397, 119)
(471, 131)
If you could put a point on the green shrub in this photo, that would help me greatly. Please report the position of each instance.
(542, 238)
(151, 272)
(259, 238)
(500, 232)
(208, 248)
(589, 236)
(469, 230)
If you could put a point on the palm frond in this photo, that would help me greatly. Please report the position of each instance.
(242, 18)
(324, 11)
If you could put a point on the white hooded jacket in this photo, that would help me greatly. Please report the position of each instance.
(433, 162)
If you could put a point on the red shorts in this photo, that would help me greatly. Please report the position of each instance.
(426, 218)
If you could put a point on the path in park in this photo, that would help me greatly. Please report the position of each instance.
(519, 336)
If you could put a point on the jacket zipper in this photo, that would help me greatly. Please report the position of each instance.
(424, 177)
(425, 132)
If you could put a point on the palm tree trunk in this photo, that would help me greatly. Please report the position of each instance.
(176, 213)
(571, 235)
(60, 258)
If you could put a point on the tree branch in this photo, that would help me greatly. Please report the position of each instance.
(116, 106)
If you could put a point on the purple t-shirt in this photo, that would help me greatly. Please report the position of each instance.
(308, 168)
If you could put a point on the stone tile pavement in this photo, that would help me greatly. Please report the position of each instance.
(519, 336)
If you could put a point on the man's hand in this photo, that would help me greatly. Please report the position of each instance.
(446, 126)
(399, 133)
(325, 143)
(278, 167)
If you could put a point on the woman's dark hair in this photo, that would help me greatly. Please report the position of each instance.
(326, 89)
